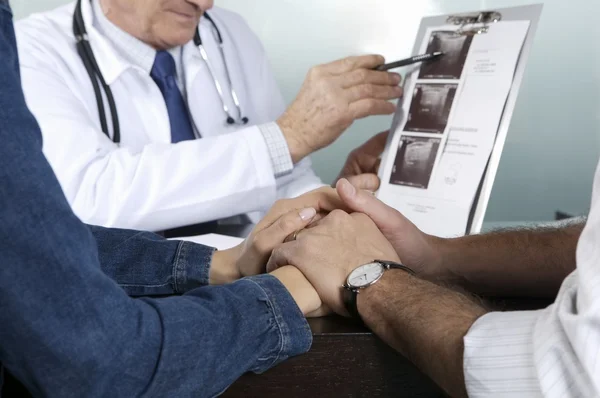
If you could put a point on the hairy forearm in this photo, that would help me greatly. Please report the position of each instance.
(524, 262)
(424, 322)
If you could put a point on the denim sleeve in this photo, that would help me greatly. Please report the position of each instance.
(68, 330)
(146, 264)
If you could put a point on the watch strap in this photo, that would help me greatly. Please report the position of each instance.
(350, 297)
(394, 265)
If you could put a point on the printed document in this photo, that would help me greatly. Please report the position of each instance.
(446, 126)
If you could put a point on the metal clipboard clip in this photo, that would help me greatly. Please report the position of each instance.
(468, 22)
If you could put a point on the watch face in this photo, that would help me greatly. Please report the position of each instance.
(365, 275)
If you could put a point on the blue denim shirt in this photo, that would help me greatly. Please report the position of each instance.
(67, 329)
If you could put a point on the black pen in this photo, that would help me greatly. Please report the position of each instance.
(410, 61)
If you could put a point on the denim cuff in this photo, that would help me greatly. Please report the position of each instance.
(295, 336)
(192, 266)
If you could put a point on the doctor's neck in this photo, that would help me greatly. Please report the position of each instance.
(162, 24)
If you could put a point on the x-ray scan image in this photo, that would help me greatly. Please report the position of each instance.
(450, 66)
(430, 108)
(414, 161)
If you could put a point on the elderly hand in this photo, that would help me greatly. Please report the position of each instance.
(283, 219)
(363, 163)
(330, 250)
(417, 249)
(332, 97)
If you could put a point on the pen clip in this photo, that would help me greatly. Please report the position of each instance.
(485, 17)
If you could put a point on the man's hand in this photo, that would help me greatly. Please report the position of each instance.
(363, 162)
(418, 250)
(517, 263)
(332, 97)
(327, 252)
(283, 219)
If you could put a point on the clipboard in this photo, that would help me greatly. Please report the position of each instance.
(477, 23)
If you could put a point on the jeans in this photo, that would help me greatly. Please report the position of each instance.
(68, 329)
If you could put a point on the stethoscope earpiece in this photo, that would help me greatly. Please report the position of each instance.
(230, 120)
(245, 120)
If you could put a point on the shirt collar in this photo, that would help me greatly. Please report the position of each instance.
(128, 47)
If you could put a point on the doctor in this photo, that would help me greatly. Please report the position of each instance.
(153, 121)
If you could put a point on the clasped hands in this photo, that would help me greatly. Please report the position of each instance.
(336, 230)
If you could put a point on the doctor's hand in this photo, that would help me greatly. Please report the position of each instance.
(363, 163)
(332, 97)
(283, 219)
(418, 250)
(329, 251)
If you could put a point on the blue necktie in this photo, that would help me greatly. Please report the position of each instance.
(164, 74)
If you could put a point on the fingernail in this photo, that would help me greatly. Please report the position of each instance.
(347, 187)
(307, 214)
(397, 78)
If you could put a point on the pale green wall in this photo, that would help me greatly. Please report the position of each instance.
(23, 8)
(553, 144)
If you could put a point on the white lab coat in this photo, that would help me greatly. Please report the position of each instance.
(146, 182)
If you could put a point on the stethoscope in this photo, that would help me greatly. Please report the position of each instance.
(84, 50)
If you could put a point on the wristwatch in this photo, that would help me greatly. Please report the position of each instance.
(364, 276)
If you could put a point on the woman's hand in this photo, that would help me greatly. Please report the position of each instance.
(283, 219)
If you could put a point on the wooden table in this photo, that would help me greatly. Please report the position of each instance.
(347, 360)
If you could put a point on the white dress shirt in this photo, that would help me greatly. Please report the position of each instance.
(141, 54)
(553, 352)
